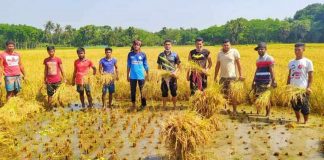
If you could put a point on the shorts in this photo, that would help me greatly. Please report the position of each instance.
(52, 87)
(226, 85)
(194, 85)
(259, 89)
(82, 87)
(172, 87)
(301, 104)
(108, 88)
(13, 83)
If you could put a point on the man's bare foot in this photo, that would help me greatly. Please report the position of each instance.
(234, 113)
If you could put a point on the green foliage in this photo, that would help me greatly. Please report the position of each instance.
(307, 25)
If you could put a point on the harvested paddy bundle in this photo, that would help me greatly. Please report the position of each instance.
(64, 95)
(215, 122)
(17, 109)
(237, 92)
(208, 102)
(286, 94)
(7, 143)
(106, 79)
(193, 66)
(184, 133)
(263, 100)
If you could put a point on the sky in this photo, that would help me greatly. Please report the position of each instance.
(150, 15)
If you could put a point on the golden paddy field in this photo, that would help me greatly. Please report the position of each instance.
(27, 131)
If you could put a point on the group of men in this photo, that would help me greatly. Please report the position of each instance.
(228, 68)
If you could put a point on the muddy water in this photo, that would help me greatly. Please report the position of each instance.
(75, 133)
(251, 136)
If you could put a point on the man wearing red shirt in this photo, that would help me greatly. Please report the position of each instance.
(13, 69)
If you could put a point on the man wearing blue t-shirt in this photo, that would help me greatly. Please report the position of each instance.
(108, 65)
(136, 65)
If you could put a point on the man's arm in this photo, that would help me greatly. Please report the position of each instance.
(217, 67)
(94, 70)
(22, 68)
(210, 63)
(45, 73)
(100, 68)
(310, 81)
(273, 78)
(128, 70)
(1, 68)
(62, 72)
(117, 72)
(239, 68)
(288, 79)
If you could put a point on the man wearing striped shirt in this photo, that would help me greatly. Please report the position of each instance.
(264, 75)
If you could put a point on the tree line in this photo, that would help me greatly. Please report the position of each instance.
(307, 25)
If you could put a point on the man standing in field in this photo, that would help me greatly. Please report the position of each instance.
(301, 76)
(12, 68)
(264, 76)
(169, 61)
(136, 64)
(53, 74)
(81, 76)
(200, 56)
(227, 60)
(108, 67)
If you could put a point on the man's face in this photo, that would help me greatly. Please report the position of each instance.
(10, 47)
(108, 53)
(137, 46)
(226, 46)
(262, 51)
(299, 51)
(81, 54)
(199, 45)
(167, 46)
(51, 52)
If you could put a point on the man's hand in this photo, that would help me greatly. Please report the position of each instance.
(127, 78)
(308, 91)
(73, 83)
(241, 78)
(274, 84)
(117, 78)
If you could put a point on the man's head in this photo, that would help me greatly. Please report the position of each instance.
(167, 44)
(10, 45)
(51, 51)
(137, 45)
(81, 52)
(261, 48)
(299, 49)
(108, 52)
(226, 45)
(199, 43)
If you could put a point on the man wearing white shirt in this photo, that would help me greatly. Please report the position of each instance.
(301, 76)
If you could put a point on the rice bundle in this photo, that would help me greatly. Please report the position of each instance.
(64, 95)
(17, 109)
(207, 103)
(215, 122)
(107, 78)
(7, 147)
(193, 66)
(184, 133)
(287, 94)
(263, 100)
(237, 92)
(167, 64)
